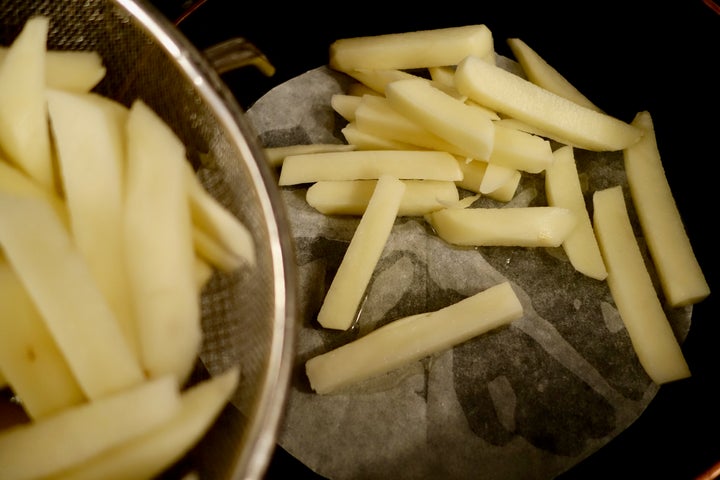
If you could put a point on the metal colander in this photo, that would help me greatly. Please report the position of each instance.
(248, 316)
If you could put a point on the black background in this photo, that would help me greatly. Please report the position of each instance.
(626, 56)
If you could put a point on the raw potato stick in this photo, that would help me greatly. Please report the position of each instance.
(474, 173)
(412, 338)
(376, 116)
(89, 139)
(276, 155)
(345, 294)
(681, 277)
(148, 455)
(562, 188)
(44, 447)
(218, 225)
(369, 165)
(24, 131)
(409, 50)
(57, 278)
(159, 246)
(632, 290)
(516, 97)
(351, 197)
(504, 227)
(29, 357)
(76, 71)
(541, 73)
(447, 117)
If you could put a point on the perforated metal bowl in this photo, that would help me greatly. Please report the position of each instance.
(248, 316)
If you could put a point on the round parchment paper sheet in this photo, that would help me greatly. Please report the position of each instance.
(528, 400)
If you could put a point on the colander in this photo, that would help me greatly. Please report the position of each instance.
(248, 315)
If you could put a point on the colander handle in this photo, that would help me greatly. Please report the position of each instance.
(237, 53)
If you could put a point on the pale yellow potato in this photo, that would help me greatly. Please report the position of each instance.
(159, 246)
(541, 73)
(89, 140)
(30, 360)
(444, 75)
(376, 116)
(473, 174)
(341, 302)
(369, 165)
(516, 97)
(562, 188)
(71, 70)
(495, 177)
(345, 105)
(24, 132)
(74, 435)
(447, 117)
(351, 197)
(411, 338)
(515, 124)
(362, 140)
(276, 155)
(681, 277)
(633, 291)
(520, 150)
(57, 278)
(409, 50)
(359, 89)
(507, 227)
(12, 180)
(219, 225)
(146, 456)
(378, 79)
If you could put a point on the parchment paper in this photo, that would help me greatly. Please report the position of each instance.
(528, 401)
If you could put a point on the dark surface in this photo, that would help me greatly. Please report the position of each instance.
(625, 56)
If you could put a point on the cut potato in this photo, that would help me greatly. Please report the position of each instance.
(29, 357)
(509, 227)
(159, 247)
(276, 155)
(13, 181)
(680, 274)
(147, 456)
(57, 278)
(444, 75)
(411, 338)
(562, 187)
(369, 165)
(351, 197)
(495, 177)
(359, 89)
(447, 117)
(378, 79)
(541, 73)
(89, 139)
(419, 49)
(76, 434)
(376, 116)
(632, 290)
(219, 226)
(24, 133)
(344, 296)
(474, 173)
(345, 105)
(516, 97)
(362, 140)
(70, 70)
(520, 150)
